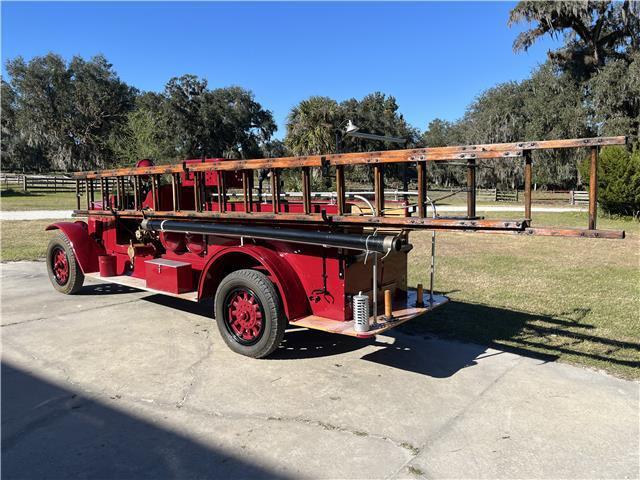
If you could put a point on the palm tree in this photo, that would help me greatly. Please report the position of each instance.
(311, 126)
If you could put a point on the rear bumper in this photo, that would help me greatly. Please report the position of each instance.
(403, 311)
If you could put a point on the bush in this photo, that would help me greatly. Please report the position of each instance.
(618, 180)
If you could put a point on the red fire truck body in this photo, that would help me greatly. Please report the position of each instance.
(183, 230)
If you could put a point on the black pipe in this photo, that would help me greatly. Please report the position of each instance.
(377, 243)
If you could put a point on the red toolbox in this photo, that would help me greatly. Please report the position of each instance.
(169, 275)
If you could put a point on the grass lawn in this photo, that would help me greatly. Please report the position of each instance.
(16, 200)
(25, 239)
(573, 299)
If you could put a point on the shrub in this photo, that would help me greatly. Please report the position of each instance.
(618, 180)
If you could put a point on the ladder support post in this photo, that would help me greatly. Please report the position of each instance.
(174, 192)
(196, 191)
(222, 193)
(93, 193)
(306, 190)
(102, 196)
(471, 188)
(275, 190)
(154, 192)
(340, 190)
(527, 184)
(593, 189)
(378, 181)
(245, 190)
(422, 189)
(106, 190)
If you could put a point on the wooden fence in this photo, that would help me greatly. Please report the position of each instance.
(39, 183)
(495, 195)
(578, 197)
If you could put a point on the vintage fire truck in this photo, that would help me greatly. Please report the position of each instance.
(334, 261)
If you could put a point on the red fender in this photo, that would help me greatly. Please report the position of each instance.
(85, 248)
(294, 298)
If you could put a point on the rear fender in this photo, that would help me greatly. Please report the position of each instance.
(292, 294)
(85, 248)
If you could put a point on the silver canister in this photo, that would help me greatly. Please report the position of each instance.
(361, 312)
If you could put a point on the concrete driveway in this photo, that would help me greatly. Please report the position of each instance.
(116, 383)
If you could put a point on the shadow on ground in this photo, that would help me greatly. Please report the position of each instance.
(542, 337)
(105, 289)
(52, 432)
(10, 192)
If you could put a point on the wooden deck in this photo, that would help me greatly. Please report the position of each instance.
(402, 312)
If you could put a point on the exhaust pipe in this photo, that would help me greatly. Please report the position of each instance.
(371, 243)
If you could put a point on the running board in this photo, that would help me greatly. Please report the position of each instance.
(141, 284)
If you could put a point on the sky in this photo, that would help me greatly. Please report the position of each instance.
(434, 57)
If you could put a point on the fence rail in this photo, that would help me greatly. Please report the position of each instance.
(42, 183)
(579, 197)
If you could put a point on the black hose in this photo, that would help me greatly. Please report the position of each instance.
(362, 242)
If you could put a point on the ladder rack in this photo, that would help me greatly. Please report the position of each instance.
(129, 182)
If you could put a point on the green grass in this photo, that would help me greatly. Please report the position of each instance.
(16, 200)
(24, 239)
(572, 299)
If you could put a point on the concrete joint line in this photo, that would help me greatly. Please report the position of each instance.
(455, 419)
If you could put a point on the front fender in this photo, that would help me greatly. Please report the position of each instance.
(85, 248)
(294, 299)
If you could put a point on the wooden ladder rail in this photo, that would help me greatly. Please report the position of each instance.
(419, 157)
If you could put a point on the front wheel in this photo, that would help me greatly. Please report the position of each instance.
(248, 313)
(64, 272)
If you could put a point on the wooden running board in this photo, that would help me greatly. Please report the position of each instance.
(403, 311)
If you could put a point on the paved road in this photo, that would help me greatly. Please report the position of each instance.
(113, 383)
(46, 214)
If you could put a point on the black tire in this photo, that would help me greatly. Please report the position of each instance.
(74, 278)
(263, 298)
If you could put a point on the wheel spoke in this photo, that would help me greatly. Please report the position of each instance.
(244, 316)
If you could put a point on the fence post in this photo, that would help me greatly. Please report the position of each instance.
(24, 183)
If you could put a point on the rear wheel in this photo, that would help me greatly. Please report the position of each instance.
(248, 313)
(64, 272)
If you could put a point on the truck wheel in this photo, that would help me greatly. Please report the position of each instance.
(64, 272)
(248, 313)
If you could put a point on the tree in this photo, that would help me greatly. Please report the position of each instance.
(548, 105)
(442, 133)
(618, 180)
(67, 112)
(139, 138)
(615, 98)
(379, 114)
(225, 122)
(312, 126)
(599, 62)
(315, 126)
(594, 31)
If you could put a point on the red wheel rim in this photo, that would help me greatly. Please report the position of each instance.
(60, 265)
(244, 316)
